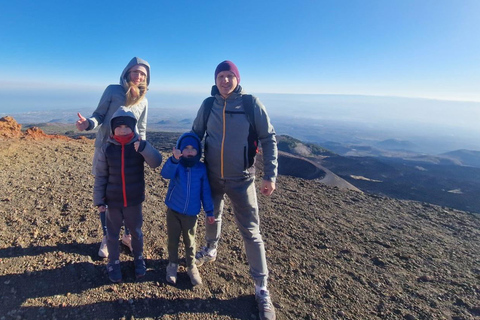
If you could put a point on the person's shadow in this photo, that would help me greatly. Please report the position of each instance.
(76, 278)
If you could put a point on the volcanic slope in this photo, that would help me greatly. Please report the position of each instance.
(332, 254)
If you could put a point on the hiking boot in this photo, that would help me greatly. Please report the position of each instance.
(140, 268)
(205, 255)
(194, 275)
(103, 251)
(172, 270)
(127, 241)
(114, 271)
(266, 310)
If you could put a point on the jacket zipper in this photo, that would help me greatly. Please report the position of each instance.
(124, 189)
(223, 139)
(189, 182)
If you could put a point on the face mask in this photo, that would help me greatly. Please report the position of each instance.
(124, 139)
(188, 162)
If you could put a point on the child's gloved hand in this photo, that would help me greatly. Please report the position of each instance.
(211, 220)
(176, 153)
(139, 145)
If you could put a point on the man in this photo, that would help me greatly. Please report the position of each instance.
(230, 135)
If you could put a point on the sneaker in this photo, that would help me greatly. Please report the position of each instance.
(114, 271)
(205, 255)
(266, 310)
(103, 251)
(127, 241)
(194, 275)
(140, 268)
(172, 270)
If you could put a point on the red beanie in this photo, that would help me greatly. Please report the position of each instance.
(227, 66)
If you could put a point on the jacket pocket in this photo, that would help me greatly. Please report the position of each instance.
(245, 158)
(171, 194)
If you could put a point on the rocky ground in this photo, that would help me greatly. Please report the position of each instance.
(332, 254)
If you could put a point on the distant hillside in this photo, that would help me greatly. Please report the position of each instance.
(443, 184)
(303, 160)
(297, 147)
(396, 144)
(294, 166)
(442, 180)
(464, 157)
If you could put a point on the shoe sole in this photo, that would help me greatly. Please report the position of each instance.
(200, 263)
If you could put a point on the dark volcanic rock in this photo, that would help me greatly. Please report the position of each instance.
(289, 165)
(332, 254)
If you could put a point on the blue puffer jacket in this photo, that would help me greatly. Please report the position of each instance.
(188, 188)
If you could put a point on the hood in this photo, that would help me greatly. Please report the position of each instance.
(123, 112)
(135, 61)
(199, 144)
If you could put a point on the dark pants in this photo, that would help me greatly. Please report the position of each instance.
(133, 219)
(181, 224)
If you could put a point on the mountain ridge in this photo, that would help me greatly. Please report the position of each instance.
(450, 179)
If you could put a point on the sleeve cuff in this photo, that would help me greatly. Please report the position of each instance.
(90, 125)
(210, 214)
(271, 179)
(142, 145)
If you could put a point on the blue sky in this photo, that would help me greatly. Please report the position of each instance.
(408, 48)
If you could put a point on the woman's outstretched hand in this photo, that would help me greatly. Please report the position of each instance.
(82, 122)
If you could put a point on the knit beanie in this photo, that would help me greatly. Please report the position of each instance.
(227, 66)
(129, 121)
(189, 140)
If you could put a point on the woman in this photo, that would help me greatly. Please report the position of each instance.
(131, 92)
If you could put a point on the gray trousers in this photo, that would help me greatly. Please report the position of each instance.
(181, 224)
(243, 196)
(133, 219)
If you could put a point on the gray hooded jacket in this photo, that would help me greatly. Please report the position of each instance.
(226, 137)
(113, 97)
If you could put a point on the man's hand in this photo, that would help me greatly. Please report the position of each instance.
(82, 123)
(102, 209)
(267, 187)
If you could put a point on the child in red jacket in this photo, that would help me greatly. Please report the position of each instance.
(120, 188)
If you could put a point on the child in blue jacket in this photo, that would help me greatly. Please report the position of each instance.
(187, 191)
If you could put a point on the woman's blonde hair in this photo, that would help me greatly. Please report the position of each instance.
(135, 93)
